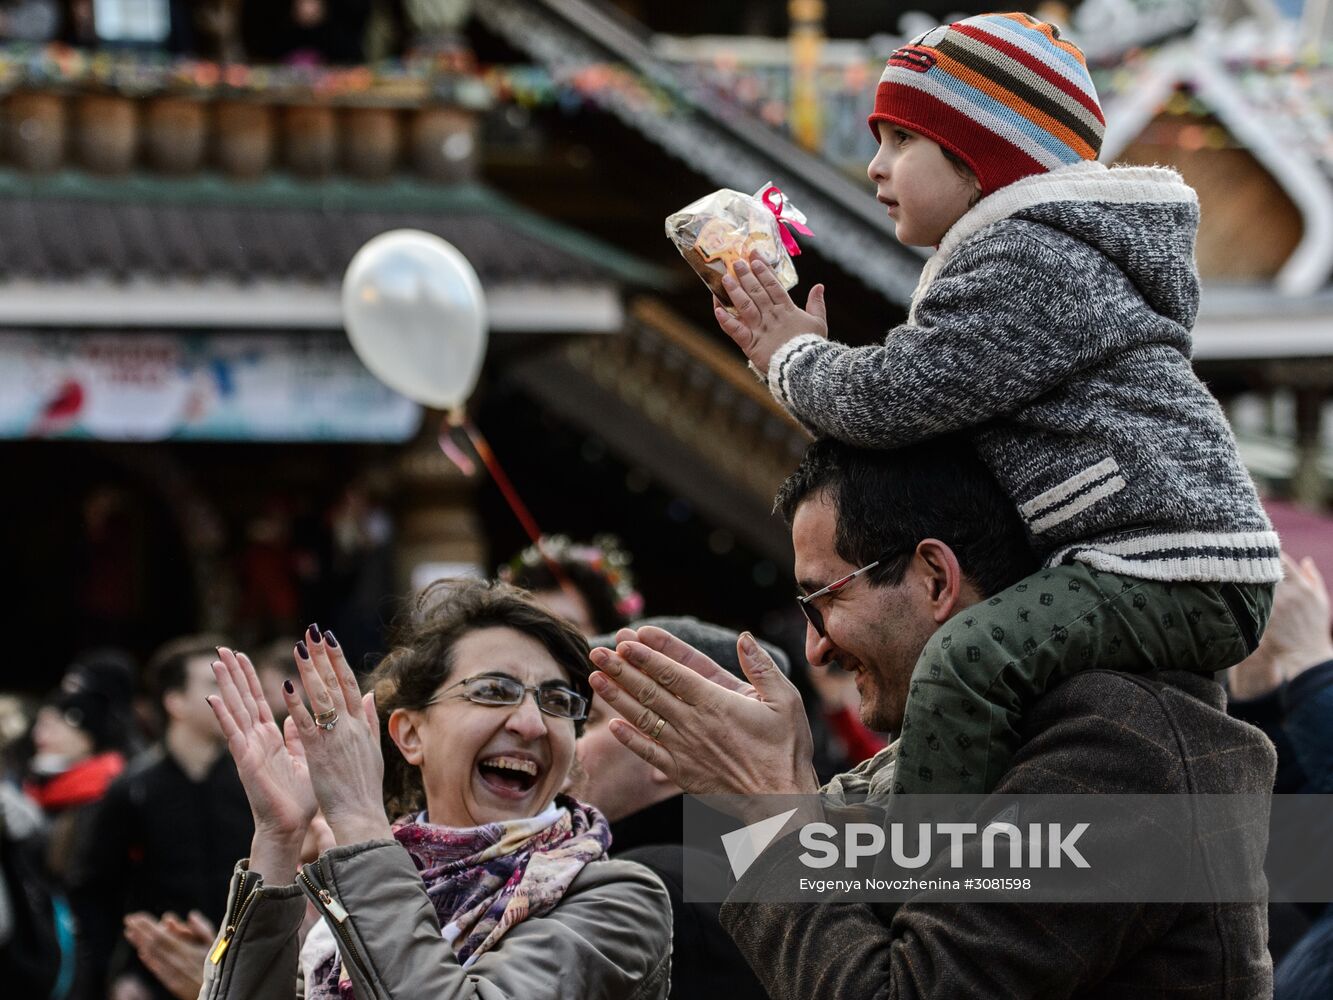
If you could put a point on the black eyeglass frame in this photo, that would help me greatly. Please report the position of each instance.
(537, 690)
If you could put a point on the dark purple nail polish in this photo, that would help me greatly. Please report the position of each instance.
(331, 639)
(301, 651)
(287, 686)
(314, 631)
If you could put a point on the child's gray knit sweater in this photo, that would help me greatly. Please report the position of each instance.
(1054, 323)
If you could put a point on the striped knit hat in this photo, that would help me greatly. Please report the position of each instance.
(1002, 91)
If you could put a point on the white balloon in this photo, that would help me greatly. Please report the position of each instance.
(416, 316)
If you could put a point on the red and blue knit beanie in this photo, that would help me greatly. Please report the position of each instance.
(1004, 92)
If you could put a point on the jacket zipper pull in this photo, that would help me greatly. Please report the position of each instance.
(222, 946)
(334, 907)
(243, 896)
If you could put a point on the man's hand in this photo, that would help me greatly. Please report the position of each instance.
(172, 949)
(1297, 637)
(707, 731)
(766, 315)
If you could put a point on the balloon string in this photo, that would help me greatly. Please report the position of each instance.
(487, 456)
(507, 490)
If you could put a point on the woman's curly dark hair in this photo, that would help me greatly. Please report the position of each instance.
(422, 657)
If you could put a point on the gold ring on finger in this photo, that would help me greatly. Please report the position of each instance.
(327, 720)
(657, 729)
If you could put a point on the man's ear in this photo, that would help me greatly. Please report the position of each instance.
(947, 590)
(403, 731)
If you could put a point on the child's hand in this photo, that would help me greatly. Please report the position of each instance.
(766, 316)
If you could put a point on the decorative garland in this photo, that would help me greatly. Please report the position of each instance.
(451, 76)
(1295, 97)
(603, 555)
(1299, 91)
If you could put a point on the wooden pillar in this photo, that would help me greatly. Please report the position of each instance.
(35, 131)
(106, 133)
(445, 143)
(436, 516)
(371, 140)
(807, 43)
(310, 140)
(176, 134)
(244, 138)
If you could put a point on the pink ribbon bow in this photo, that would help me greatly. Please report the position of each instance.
(776, 203)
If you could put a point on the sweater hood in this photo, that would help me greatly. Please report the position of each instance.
(1144, 219)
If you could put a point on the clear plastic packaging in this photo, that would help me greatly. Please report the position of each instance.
(726, 226)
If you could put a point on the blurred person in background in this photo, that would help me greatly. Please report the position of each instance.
(1286, 689)
(162, 838)
(597, 593)
(173, 946)
(175, 949)
(270, 598)
(36, 926)
(79, 737)
(354, 563)
(16, 718)
(646, 812)
(110, 566)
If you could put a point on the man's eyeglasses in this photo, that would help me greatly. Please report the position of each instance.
(812, 614)
(553, 698)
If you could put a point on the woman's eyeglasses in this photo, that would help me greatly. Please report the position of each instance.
(553, 698)
(816, 617)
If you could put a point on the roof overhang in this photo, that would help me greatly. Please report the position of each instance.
(275, 305)
(1239, 323)
(1196, 62)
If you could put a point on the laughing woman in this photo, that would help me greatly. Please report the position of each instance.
(492, 884)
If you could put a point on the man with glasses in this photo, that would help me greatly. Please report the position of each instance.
(889, 546)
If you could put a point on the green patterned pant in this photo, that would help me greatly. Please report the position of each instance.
(980, 671)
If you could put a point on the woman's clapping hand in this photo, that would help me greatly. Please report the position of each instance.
(271, 762)
(333, 764)
(344, 759)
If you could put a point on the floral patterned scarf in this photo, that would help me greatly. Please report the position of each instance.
(482, 880)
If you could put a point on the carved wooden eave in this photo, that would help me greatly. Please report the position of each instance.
(732, 149)
(667, 399)
(1194, 63)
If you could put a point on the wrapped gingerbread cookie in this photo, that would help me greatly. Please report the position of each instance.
(726, 226)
